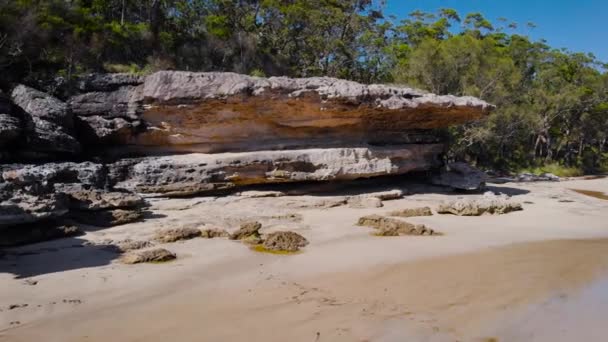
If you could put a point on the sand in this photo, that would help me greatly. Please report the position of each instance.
(507, 277)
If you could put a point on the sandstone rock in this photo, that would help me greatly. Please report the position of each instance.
(364, 202)
(48, 139)
(51, 173)
(200, 173)
(129, 245)
(82, 198)
(214, 233)
(269, 113)
(487, 204)
(394, 227)
(19, 207)
(412, 212)
(48, 124)
(247, 231)
(221, 112)
(42, 106)
(150, 255)
(121, 103)
(98, 130)
(22, 234)
(460, 176)
(176, 234)
(107, 218)
(284, 241)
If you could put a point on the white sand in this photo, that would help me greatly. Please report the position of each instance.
(347, 285)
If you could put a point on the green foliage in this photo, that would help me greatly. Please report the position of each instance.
(556, 169)
(552, 105)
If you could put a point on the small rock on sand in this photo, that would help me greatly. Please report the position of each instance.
(248, 231)
(176, 234)
(285, 241)
(394, 227)
(132, 245)
(412, 212)
(214, 233)
(489, 203)
(150, 255)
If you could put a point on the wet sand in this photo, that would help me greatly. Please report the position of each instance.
(535, 275)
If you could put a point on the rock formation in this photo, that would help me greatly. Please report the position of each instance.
(183, 133)
(489, 203)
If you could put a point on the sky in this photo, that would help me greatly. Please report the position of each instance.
(578, 25)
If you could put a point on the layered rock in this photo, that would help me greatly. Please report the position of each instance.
(199, 173)
(221, 112)
(199, 133)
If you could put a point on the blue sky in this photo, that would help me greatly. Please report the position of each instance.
(578, 25)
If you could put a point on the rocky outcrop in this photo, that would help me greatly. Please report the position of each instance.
(221, 112)
(177, 133)
(35, 200)
(182, 175)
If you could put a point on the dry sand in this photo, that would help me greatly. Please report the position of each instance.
(512, 277)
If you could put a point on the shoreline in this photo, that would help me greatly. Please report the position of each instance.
(216, 286)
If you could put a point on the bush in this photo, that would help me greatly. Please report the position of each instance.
(556, 169)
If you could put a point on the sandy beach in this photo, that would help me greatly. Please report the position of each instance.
(534, 275)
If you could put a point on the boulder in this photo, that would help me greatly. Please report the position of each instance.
(460, 176)
(394, 227)
(176, 234)
(489, 203)
(42, 106)
(249, 231)
(206, 173)
(156, 255)
(284, 241)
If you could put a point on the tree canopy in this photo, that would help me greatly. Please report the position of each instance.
(552, 104)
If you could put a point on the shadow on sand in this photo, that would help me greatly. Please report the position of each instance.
(54, 256)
